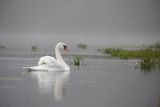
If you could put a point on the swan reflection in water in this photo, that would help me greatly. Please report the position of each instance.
(52, 82)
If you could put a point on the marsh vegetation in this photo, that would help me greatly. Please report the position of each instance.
(77, 60)
(149, 57)
(82, 46)
(2, 47)
(155, 46)
(34, 48)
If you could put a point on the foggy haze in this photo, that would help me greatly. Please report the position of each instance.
(95, 22)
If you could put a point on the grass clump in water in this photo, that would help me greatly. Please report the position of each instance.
(155, 46)
(147, 65)
(77, 60)
(34, 48)
(2, 47)
(82, 46)
(132, 54)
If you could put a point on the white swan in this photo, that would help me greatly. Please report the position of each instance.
(47, 63)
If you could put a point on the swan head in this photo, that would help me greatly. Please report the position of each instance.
(62, 46)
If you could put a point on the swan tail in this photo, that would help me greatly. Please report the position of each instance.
(35, 68)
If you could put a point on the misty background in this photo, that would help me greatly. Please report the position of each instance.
(94, 22)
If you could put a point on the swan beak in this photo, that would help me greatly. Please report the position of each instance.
(66, 50)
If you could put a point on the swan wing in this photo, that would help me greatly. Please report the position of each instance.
(48, 60)
(46, 63)
(44, 67)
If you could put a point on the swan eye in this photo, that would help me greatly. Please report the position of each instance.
(65, 47)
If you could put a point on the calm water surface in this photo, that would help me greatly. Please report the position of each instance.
(100, 83)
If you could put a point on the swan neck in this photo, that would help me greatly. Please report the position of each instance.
(59, 58)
